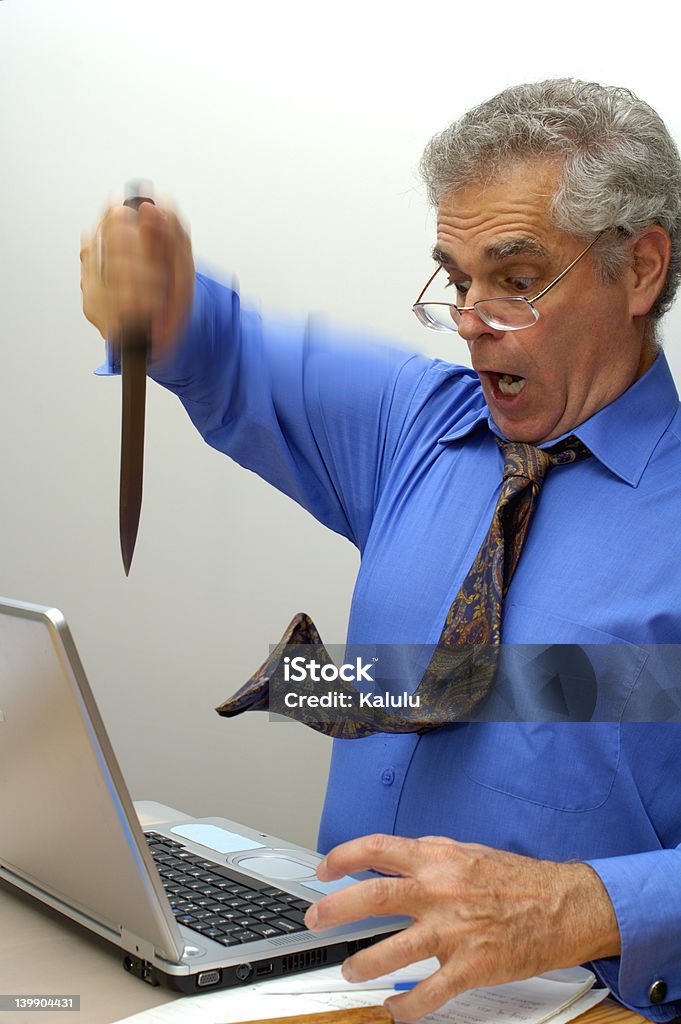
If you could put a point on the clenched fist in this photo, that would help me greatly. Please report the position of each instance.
(138, 267)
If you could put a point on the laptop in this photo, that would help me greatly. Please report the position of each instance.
(193, 903)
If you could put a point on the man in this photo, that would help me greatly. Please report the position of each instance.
(568, 195)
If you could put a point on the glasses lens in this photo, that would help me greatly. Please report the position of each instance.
(439, 316)
(509, 314)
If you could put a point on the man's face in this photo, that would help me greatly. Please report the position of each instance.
(585, 349)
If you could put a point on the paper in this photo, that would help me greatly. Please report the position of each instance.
(559, 996)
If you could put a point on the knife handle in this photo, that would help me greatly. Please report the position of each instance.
(137, 191)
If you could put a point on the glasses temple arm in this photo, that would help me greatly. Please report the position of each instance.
(568, 268)
(427, 284)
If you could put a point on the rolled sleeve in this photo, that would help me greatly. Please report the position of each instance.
(645, 891)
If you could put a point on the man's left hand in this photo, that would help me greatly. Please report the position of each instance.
(488, 916)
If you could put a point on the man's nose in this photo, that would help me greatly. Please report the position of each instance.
(472, 327)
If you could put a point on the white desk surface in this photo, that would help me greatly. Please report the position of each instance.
(42, 952)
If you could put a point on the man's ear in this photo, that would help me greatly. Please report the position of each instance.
(647, 273)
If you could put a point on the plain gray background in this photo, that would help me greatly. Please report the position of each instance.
(288, 136)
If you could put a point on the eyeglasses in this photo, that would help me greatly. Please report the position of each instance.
(505, 313)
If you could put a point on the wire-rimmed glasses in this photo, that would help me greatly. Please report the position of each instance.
(504, 312)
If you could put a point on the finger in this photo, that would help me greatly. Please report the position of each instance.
(438, 840)
(91, 285)
(153, 227)
(404, 949)
(156, 243)
(389, 854)
(426, 997)
(181, 281)
(134, 270)
(375, 897)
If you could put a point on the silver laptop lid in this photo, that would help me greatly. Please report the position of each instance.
(68, 828)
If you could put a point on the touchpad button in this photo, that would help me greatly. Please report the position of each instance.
(276, 867)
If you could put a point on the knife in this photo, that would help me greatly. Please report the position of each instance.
(135, 346)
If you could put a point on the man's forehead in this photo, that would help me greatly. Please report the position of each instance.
(508, 216)
(513, 206)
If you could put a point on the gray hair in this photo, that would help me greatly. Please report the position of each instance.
(620, 167)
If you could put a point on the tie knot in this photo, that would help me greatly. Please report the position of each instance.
(524, 460)
(531, 463)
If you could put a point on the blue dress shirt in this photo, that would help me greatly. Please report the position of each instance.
(396, 452)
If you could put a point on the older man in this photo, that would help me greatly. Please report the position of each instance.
(547, 844)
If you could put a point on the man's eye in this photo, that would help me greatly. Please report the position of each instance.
(522, 284)
(461, 286)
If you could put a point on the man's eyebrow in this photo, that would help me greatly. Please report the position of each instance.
(441, 257)
(515, 247)
(501, 251)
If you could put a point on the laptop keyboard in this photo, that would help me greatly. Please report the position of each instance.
(220, 903)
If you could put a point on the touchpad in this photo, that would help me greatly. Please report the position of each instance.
(218, 839)
(277, 867)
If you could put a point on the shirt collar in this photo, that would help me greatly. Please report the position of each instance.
(624, 434)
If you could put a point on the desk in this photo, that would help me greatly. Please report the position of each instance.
(43, 952)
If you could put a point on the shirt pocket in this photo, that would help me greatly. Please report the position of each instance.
(559, 744)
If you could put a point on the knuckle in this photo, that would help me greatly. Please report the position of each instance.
(412, 892)
(407, 944)
(436, 991)
(377, 843)
(382, 892)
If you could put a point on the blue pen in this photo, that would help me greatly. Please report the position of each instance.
(300, 988)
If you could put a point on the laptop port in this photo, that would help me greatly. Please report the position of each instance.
(207, 978)
(244, 971)
(262, 969)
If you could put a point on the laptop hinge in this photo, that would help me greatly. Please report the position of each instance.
(140, 947)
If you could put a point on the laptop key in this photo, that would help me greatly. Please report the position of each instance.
(294, 915)
(228, 915)
(266, 931)
(261, 901)
(286, 925)
(245, 935)
(245, 922)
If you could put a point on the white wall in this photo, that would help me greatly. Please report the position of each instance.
(288, 134)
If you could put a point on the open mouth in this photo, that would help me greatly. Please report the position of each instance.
(510, 383)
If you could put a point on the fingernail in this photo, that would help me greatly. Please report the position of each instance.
(311, 918)
(347, 972)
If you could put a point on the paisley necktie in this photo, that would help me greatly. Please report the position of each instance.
(461, 670)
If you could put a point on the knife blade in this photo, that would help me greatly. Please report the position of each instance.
(135, 346)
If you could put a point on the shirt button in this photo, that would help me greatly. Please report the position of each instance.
(657, 991)
(388, 776)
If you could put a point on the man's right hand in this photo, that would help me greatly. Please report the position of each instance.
(138, 267)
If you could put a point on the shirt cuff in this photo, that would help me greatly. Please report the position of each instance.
(645, 893)
(176, 362)
(111, 366)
